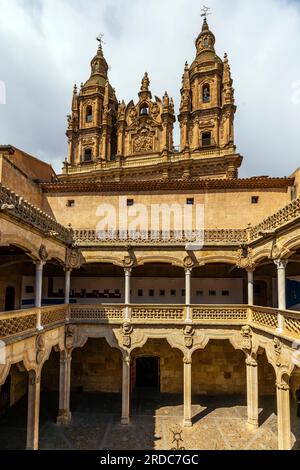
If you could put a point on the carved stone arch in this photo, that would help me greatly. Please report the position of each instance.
(140, 337)
(24, 244)
(58, 255)
(290, 246)
(261, 254)
(214, 259)
(83, 334)
(100, 259)
(165, 259)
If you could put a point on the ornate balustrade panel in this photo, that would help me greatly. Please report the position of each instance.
(157, 314)
(20, 209)
(292, 324)
(103, 313)
(265, 317)
(18, 322)
(52, 315)
(206, 237)
(211, 314)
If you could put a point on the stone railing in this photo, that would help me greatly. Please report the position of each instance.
(206, 237)
(284, 216)
(20, 323)
(22, 210)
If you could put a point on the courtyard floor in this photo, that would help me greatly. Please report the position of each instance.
(219, 424)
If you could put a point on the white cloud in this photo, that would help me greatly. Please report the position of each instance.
(46, 45)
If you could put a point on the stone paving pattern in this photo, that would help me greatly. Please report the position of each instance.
(219, 424)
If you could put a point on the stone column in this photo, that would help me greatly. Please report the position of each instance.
(187, 392)
(188, 275)
(252, 392)
(67, 285)
(127, 292)
(38, 283)
(281, 266)
(126, 391)
(33, 412)
(283, 416)
(250, 279)
(64, 414)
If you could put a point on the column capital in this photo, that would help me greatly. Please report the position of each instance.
(281, 263)
(251, 362)
(67, 269)
(187, 360)
(250, 269)
(127, 271)
(188, 270)
(282, 386)
(39, 263)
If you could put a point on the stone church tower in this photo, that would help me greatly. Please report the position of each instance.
(91, 126)
(207, 101)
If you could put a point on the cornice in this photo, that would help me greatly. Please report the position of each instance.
(93, 186)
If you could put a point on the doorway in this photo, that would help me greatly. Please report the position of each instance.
(147, 373)
(10, 296)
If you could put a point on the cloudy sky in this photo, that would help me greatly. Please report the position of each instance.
(47, 45)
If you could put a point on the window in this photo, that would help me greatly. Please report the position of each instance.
(89, 114)
(190, 201)
(205, 42)
(130, 202)
(140, 293)
(212, 293)
(225, 293)
(144, 111)
(162, 292)
(206, 139)
(29, 289)
(254, 200)
(87, 156)
(173, 292)
(151, 293)
(70, 203)
(199, 293)
(206, 94)
(183, 293)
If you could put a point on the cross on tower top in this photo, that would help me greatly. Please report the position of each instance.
(100, 39)
(205, 12)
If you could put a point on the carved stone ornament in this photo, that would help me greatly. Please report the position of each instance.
(246, 333)
(143, 142)
(43, 253)
(188, 262)
(127, 329)
(277, 346)
(244, 258)
(128, 261)
(74, 259)
(40, 348)
(276, 251)
(70, 337)
(189, 332)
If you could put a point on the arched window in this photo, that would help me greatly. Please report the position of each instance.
(87, 156)
(206, 139)
(89, 114)
(206, 94)
(144, 110)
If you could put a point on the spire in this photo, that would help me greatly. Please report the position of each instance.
(206, 39)
(99, 65)
(228, 91)
(75, 99)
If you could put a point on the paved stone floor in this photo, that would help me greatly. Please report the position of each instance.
(219, 424)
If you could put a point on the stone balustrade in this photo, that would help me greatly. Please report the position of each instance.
(29, 322)
(20, 323)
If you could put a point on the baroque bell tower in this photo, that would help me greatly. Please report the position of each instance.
(207, 106)
(92, 122)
